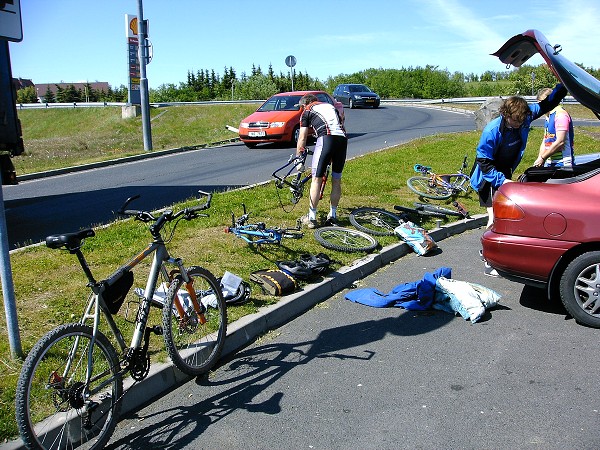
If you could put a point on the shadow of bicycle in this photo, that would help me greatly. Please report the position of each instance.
(243, 381)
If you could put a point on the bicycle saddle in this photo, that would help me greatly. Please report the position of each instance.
(71, 241)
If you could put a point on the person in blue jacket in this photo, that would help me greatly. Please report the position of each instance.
(503, 143)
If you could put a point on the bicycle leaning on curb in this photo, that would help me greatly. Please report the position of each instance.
(70, 388)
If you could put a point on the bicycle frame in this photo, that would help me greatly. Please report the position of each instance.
(284, 177)
(161, 258)
(256, 233)
(452, 181)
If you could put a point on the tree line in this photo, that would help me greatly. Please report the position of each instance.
(427, 82)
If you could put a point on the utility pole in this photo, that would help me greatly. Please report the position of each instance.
(143, 55)
(11, 144)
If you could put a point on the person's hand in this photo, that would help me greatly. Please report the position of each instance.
(538, 162)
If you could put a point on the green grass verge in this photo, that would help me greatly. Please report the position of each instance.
(50, 287)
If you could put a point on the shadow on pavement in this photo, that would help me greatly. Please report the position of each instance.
(251, 372)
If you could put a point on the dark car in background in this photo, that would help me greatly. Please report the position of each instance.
(353, 95)
(546, 230)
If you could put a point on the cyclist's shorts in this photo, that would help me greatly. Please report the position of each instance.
(329, 149)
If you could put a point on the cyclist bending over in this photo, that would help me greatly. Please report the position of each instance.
(331, 145)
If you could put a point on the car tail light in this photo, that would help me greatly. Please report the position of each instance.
(505, 208)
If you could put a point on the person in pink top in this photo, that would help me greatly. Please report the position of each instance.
(556, 148)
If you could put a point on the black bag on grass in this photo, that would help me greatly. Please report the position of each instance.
(274, 282)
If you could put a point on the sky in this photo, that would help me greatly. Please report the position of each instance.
(84, 40)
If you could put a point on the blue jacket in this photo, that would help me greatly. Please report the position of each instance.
(491, 140)
(416, 295)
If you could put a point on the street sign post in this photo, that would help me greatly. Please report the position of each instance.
(290, 61)
(11, 28)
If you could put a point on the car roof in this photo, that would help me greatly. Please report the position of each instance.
(297, 93)
(581, 85)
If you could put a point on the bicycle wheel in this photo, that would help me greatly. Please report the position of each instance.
(424, 187)
(345, 239)
(55, 409)
(438, 209)
(375, 221)
(195, 344)
(419, 211)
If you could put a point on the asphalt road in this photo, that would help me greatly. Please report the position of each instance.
(37, 208)
(348, 376)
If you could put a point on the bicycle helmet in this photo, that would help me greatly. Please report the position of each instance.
(295, 269)
(240, 297)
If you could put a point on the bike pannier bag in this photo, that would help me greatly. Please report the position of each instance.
(274, 282)
(114, 293)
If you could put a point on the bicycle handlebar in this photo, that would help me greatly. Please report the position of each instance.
(166, 216)
(293, 161)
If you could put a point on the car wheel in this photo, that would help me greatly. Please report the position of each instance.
(580, 289)
(295, 135)
(350, 103)
(250, 144)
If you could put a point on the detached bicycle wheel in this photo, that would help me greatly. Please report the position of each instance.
(438, 209)
(55, 408)
(375, 221)
(345, 239)
(419, 212)
(194, 342)
(424, 187)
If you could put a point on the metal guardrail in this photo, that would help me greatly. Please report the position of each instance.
(441, 101)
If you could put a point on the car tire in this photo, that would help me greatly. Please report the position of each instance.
(580, 289)
(295, 134)
(350, 104)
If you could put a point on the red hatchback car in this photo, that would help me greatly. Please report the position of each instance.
(278, 119)
(546, 230)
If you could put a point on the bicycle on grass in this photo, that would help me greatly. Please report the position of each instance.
(345, 239)
(429, 210)
(439, 187)
(295, 182)
(380, 222)
(71, 384)
(258, 233)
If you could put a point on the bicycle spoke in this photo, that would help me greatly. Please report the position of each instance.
(194, 341)
(375, 221)
(52, 409)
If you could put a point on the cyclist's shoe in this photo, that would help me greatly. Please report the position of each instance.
(490, 271)
(331, 221)
(308, 223)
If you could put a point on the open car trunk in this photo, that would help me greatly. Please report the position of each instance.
(559, 174)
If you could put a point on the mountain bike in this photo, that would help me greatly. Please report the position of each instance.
(258, 233)
(295, 182)
(439, 187)
(71, 384)
(345, 239)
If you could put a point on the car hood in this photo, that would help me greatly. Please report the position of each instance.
(365, 94)
(271, 116)
(581, 85)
